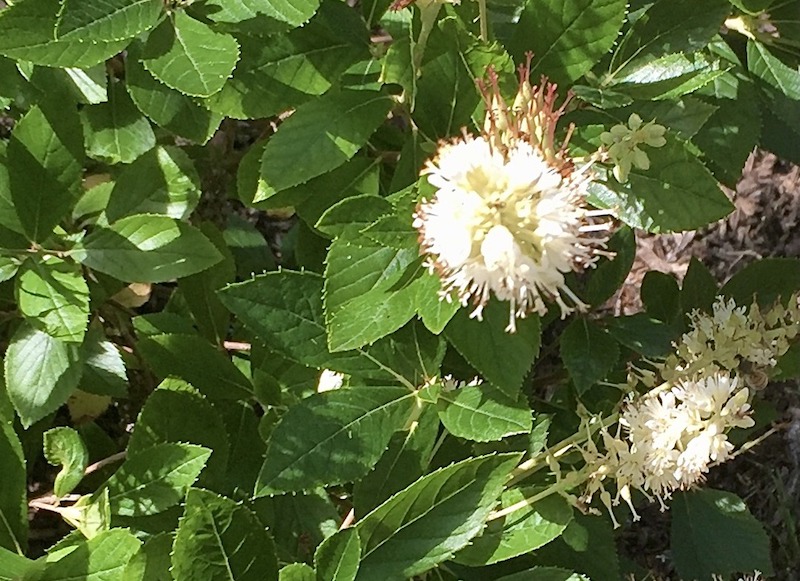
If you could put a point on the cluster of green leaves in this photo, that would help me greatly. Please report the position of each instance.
(123, 118)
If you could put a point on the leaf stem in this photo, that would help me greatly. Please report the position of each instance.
(563, 484)
(483, 16)
(428, 14)
(533, 464)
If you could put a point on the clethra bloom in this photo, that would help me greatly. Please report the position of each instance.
(509, 215)
(668, 439)
(741, 340)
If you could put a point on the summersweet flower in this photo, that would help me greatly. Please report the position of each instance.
(736, 339)
(623, 145)
(509, 216)
(667, 439)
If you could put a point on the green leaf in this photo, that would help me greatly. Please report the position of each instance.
(393, 231)
(218, 539)
(610, 274)
(566, 37)
(298, 522)
(45, 156)
(685, 116)
(669, 26)
(762, 63)
(297, 572)
(502, 358)
(163, 181)
(446, 97)
(14, 566)
(115, 131)
(64, 447)
(41, 373)
(332, 437)
(84, 85)
(354, 269)
(104, 372)
(434, 310)
(8, 212)
(13, 493)
(147, 248)
(433, 518)
(585, 537)
(788, 366)
(91, 515)
(645, 335)
(155, 479)
(588, 352)
(177, 413)
(366, 296)
(8, 268)
(249, 248)
(765, 280)
(161, 323)
(600, 97)
(290, 69)
(54, 296)
(661, 296)
(337, 557)
(247, 448)
(96, 21)
(152, 562)
(676, 193)
(780, 125)
(188, 56)
(167, 107)
(194, 359)
(398, 64)
(403, 462)
(699, 288)
(284, 310)
(28, 32)
(520, 532)
(669, 76)
(544, 574)
(483, 414)
(363, 320)
(352, 215)
(360, 175)
(714, 533)
(102, 558)
(270, 16)
(411, 353)
(200, 290)
(319, 137)
(733, 130)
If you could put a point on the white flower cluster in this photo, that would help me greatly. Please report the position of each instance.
(509, 215)
(668, 438)
(736, 339)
